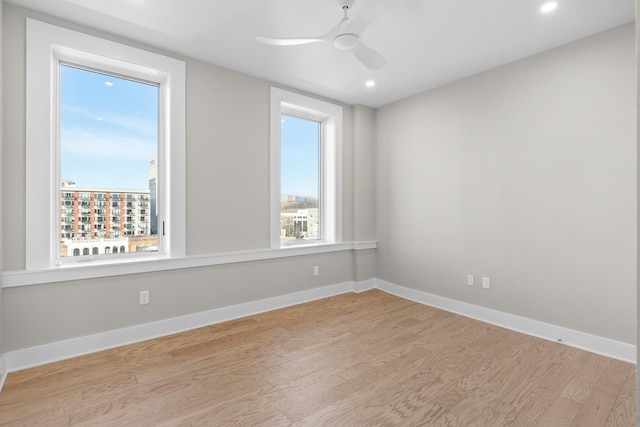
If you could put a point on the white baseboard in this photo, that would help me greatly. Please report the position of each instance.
(595, 344)
(3, 370)
(61, 350)
(365, 285)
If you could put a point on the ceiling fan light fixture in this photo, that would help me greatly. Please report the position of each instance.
(345, 35)
(346, 41)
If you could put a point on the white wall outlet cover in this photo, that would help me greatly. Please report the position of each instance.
(144, 297)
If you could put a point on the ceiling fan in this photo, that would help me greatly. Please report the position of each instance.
(346, 35)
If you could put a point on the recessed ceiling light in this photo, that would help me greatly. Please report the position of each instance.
(370, 83)
(549, 7)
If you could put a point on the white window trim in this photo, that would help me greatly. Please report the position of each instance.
(66, 273)
(47, 45)
(330, 117)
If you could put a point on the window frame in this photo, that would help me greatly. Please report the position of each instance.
(330, 198)
(47, 47)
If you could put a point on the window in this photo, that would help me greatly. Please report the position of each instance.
(58, 60)
(300, 145)
(306, 140)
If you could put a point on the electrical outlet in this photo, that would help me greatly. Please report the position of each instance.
(486, 282)
(316, 270)
(144, 297)
(470, 279)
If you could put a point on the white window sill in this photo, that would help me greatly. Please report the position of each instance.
(95, 269)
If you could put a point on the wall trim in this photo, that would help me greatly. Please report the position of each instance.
(61, 350)
(97, 268)
(3, 370)
(365, 285)
(595, 344)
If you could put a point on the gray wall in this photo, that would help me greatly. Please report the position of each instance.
(364, 173)
(525, 174)
(364, 178)
(1, 193)
(227, 190)
(638, 200)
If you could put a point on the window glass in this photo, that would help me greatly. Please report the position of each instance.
(300, 179)
(108, 139)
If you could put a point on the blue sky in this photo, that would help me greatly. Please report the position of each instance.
(109, 130)
(300, 156)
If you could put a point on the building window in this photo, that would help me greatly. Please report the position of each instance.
(306, 140)
(76, 252)
(95, 251)
(66, 70)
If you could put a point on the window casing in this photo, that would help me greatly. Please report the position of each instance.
(47, 47)
(329, 116)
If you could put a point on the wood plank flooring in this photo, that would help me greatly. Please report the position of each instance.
(367, 359)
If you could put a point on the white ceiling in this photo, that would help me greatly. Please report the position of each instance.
(427, 43)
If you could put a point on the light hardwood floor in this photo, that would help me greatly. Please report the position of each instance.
(367, 359)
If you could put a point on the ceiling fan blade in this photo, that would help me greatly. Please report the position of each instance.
(370, 10)
(369, 57)
(327, 37)
(288, 42)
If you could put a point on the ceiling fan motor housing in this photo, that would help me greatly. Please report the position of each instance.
(345, 3)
